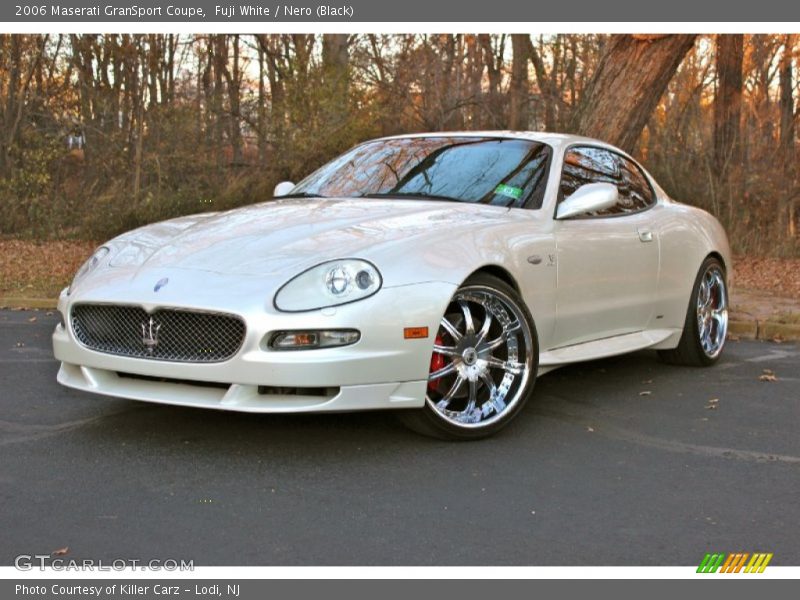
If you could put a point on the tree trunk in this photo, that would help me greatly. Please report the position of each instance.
(82, 59)
(518, 90)
(139, 110)
(10, 109)
(495, 76)
(631, 77)
(234, 81)
(219, 48)
(545, 86)
(726, 155)
(335, 62)
(262, 108)
(728, 104)
(786, 224)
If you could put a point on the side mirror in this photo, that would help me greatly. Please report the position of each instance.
(283, 188)
(588, 198)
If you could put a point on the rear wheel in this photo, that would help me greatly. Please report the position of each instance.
(706, 322)
(483, 365)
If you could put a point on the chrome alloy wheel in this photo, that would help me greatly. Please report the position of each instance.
(482, 358)
(712, 311)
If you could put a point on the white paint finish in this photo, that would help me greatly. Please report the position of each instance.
(612, 346)
(382, 355)
(593, 286)
(607, 277)
(591, 197)
(242, 398)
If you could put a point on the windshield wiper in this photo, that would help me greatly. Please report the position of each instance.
(302, 195)
(412, 196)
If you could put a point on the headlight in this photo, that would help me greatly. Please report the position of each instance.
(329, 284)
(89, 266)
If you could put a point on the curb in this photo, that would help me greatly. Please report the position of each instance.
(750, 329)
(753, 329)
(744, 329)
(782, 331)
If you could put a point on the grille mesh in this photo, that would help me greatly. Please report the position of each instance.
(181, 335)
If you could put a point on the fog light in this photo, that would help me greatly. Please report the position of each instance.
(306, 340)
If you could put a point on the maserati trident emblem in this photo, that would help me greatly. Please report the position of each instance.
(150, 334)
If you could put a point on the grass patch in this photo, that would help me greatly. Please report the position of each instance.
(786, 318)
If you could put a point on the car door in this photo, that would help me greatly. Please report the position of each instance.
(607, 262)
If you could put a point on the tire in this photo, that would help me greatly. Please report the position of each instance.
(706, 322)
(483, 366)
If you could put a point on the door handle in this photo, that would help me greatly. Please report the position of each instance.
(645, 235)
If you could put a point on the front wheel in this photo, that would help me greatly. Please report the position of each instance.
(483, 366)
(706, 324)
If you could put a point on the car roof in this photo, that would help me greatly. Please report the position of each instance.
(557, 140)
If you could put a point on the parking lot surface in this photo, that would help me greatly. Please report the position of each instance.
(624, 461)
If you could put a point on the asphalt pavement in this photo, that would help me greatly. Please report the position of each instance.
(624, 461)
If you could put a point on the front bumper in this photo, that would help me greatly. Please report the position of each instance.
(382, 370)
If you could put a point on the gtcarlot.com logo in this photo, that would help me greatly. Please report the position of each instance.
(42, 562)
(737, 562)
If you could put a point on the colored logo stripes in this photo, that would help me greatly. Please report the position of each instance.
(735, 562)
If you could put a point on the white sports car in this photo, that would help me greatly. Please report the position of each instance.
(435, 273)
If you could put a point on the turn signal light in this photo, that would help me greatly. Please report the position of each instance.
(306, 340)
(415, 333)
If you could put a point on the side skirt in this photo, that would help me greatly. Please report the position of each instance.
(612, 346)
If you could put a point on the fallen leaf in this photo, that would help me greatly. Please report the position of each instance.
(768, 377)
(712, 404)
(776, 275)
(645, 393)
(32, 320)
(61, 551)
(590, 429)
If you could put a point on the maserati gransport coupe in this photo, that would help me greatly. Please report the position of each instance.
(436, 274)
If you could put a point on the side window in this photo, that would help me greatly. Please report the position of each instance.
(635, 192)
(587, 164)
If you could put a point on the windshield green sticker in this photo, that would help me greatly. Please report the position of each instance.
(509, 191)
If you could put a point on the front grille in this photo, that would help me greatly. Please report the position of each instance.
(166, 334)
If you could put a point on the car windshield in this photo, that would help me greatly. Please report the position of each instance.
(499, 171)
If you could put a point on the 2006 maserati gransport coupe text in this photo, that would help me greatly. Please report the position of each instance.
(434, 273)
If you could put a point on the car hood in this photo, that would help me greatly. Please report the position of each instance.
(291, 234)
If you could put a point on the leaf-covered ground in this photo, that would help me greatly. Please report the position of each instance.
(780, 276)
(41, 269)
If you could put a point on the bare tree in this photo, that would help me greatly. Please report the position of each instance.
(630, 78)
(726, 158)
(728, 102)
(786, 203)
(518, 90)
(336, 76)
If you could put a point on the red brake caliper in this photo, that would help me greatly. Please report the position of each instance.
(437, 363)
